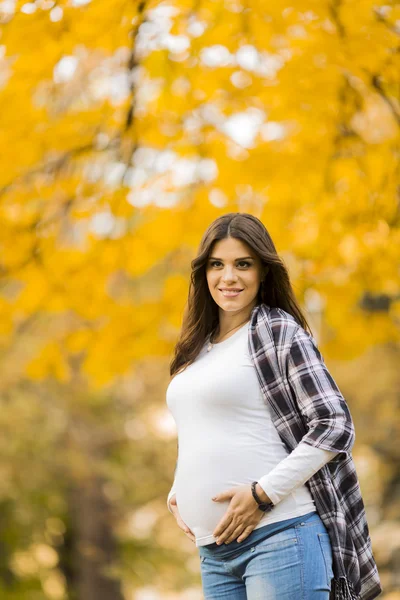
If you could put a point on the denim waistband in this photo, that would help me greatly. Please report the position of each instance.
(255, 536)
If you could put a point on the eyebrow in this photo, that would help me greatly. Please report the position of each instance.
(243, 257)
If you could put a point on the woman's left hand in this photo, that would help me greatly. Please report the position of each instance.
(242, 515)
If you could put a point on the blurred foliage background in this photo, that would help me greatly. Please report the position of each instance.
(126, 128)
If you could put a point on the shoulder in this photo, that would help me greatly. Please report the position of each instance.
(279, 315)
(274, 328)
(283, 325)
(275, 313)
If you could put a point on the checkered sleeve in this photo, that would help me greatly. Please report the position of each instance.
(321, 404)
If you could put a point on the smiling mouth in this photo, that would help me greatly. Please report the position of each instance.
(230, 293)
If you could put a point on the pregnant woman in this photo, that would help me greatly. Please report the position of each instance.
(265, 484)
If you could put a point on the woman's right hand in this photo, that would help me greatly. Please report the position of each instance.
(181, 524)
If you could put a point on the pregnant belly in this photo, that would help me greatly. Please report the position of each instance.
(194, 498)
(197, 510)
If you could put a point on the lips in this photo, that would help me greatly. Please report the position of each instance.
(230, 293)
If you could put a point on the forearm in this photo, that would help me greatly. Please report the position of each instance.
(292, 472)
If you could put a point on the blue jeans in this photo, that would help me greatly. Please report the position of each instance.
(288, 560)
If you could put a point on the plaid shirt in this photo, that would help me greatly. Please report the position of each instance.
(306, 404)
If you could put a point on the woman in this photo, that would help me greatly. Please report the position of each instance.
(265, 484)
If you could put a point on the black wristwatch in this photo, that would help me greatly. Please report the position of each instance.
(264, 506)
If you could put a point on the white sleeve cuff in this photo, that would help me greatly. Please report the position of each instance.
(294, 470)
(266, 486)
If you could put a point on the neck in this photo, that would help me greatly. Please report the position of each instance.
(219, 336)
(229, 321)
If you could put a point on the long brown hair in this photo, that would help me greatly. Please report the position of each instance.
(201, 314)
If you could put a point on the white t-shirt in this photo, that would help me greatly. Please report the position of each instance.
(227, 438)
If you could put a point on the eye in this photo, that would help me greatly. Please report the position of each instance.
(213, 263)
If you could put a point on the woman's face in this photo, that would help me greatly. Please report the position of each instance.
(232, 264)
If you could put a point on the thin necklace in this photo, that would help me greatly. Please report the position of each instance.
(210, 345)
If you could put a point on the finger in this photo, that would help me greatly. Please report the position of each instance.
(245, 534)
(239, 529)
(185, 528)
(227, 533)
(223, 525)
(189, 533)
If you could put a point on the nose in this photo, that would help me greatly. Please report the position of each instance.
(228, 276)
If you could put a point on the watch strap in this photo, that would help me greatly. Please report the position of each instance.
(264, 506)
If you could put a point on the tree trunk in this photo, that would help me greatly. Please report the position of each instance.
(90, 548)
